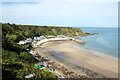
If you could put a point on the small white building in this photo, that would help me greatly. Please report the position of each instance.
(35, 38)
(63, 36)
(38, 38)
(22, 42)
(50, 36)
(30, 76)
(42, 37)
(29, 40)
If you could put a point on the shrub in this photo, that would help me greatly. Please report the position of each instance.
(28, 57)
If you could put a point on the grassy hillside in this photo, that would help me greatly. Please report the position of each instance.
(15, 64)
(24, 31)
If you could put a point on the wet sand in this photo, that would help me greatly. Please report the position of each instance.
(79, 60)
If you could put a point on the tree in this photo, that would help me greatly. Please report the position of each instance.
(12, 37)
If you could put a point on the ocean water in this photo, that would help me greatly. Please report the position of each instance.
(105, 42)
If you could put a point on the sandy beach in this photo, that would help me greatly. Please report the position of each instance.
(80, 61)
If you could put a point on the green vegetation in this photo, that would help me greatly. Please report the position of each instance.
(16, 62)
(18, 66)
(25, 31)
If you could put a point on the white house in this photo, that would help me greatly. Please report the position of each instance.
(38, 38)
(63, 36)
(29, 40)
(22, 42)
(42, 37)
(30, 75)
(35, 38)
(51, 36)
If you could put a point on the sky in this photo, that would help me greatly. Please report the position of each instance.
(67, 13)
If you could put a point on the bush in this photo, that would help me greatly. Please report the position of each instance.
(12, 37)
(28, 57)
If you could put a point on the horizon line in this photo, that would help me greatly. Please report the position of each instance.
(61, 25)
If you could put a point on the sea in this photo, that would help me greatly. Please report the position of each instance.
(106, 42)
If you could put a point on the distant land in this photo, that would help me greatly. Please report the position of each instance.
(32, 30)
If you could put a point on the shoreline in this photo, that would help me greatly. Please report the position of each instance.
(97, 53)
(85, 34)
(59, 67)
(75, 58)
(41, 42)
